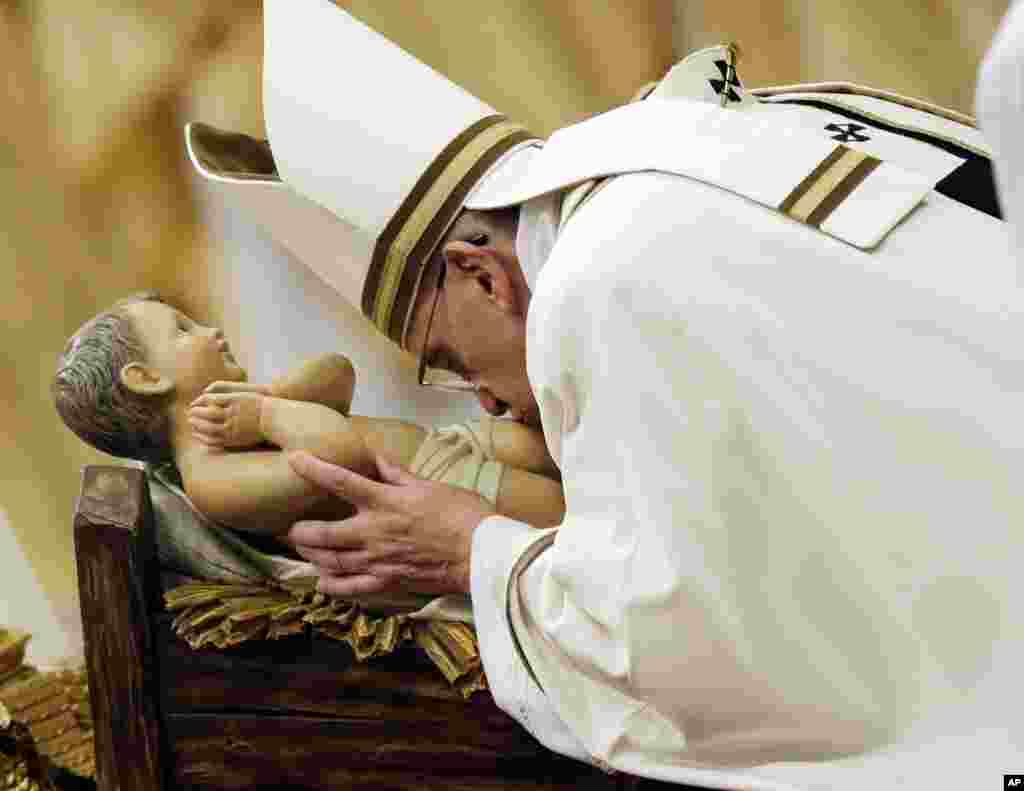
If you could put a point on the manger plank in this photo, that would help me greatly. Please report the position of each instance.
(116, 576)
(304, 674)
(315, 676)
(298, 715)
(217, 753)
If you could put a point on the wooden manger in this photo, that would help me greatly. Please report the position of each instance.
(297, 714)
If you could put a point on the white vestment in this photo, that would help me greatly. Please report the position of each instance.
(1000, 100)
(792, 547)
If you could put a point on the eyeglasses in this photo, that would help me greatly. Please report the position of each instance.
(440, 378)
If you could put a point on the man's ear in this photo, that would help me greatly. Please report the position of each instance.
(483, 266)
(145, 380)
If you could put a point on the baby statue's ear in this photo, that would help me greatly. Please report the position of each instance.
(145, 380)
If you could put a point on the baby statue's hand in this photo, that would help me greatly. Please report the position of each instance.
(227, 420)
(237, 387)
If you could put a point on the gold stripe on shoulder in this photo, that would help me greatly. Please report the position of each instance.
(842, 190)
(801, 189)
(831, 182)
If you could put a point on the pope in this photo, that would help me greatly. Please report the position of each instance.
(772, 340)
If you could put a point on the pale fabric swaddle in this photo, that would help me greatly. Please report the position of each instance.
(192, 544)
(462, 455)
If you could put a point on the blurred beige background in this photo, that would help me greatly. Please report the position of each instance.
(96, 199)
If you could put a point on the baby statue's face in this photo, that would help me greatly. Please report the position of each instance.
(190, 355)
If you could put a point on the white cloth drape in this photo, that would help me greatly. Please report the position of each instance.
(1000, 104)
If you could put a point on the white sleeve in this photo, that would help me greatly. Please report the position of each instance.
(622, 621)
(497, 545)
(619, 621)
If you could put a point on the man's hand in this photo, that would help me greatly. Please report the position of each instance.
(409, 534)
(226, 419)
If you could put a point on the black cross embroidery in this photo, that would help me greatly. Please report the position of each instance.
(728, 81)
(847, 132)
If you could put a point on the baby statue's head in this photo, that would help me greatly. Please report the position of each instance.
(126, 373)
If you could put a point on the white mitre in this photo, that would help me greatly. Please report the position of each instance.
(373, 156)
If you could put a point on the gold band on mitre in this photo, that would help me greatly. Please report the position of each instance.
(428, 211)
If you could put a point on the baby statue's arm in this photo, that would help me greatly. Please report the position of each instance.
(257, 489)
(525, 495)
(531, 498)
(524, 448)
(530, 490)
(328, 379)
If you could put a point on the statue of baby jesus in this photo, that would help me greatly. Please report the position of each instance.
(145, 381)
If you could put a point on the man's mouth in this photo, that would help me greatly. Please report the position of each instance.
(528, 416)
(524, 416)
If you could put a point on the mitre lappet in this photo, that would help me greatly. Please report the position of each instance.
(370, 158)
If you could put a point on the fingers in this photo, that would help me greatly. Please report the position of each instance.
(214, 400)
(210, 435)
(332, 561)
(208, 419)
(235, 387)
(212, 440)
(393, 473)
(211, 414)
(331, 536)
(348, 485)
(392, 579)
(355, 557)
(211, 417)
(218, 387)
(207, 422)
(223, 400)
(209, 432)
(350, 586)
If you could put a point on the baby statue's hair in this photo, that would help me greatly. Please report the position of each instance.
(93, 401)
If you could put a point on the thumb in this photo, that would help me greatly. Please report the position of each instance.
(346, 484)
(393, 473)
